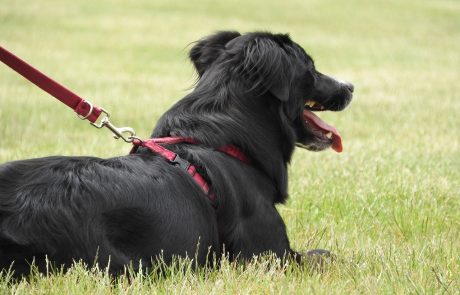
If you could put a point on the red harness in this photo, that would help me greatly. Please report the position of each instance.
(155, 146)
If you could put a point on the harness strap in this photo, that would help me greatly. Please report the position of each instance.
(83, 108)
(235, 152)
(154, 145)
(176, 160)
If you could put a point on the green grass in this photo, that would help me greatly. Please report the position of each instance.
(388, 206)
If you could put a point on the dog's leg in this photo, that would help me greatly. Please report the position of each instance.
(258, 232)
(264, 232)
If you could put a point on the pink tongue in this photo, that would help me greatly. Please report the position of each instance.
(323, 126)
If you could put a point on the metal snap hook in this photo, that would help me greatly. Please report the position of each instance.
(118, 132)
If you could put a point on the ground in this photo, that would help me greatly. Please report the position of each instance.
(388, 206)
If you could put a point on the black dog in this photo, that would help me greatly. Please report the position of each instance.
(255, 91)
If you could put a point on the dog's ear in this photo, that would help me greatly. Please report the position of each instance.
(266, 65)
(208, 49)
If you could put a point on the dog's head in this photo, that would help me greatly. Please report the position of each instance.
(272, 63)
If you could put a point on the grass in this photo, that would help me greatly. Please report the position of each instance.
(388, 206)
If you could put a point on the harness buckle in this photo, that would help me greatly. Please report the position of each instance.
(117, 131)
(183, 164)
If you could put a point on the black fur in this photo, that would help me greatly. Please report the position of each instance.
(250, 93)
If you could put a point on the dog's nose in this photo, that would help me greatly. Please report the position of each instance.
(349, 86)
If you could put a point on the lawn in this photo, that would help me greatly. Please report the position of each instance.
(388, 206)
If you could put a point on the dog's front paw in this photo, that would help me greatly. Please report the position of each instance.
(318, 258)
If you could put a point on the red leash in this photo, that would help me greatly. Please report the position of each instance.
(83, 108)
(88, 111)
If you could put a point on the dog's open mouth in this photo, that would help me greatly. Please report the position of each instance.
(319, 127)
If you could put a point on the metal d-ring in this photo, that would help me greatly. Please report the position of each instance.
(91, 107)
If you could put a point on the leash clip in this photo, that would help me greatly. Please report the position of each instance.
(119, 132)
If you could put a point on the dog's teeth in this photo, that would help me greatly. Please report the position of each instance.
(329, 135)
(310, 103)
(321, 107)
